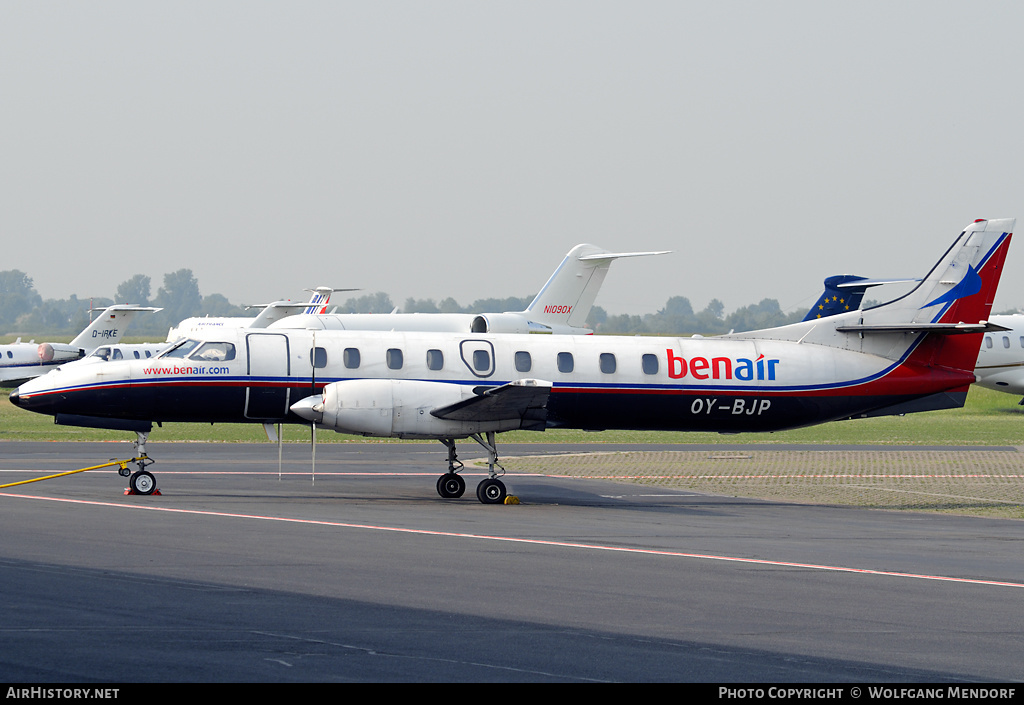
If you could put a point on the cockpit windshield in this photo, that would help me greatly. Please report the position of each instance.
(197, 350)
(181, 348)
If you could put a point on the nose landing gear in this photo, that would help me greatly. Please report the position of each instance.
(141, 481)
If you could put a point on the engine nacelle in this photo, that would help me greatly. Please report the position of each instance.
(519, 323)
(500, 323)
(399, 409)
(55, 352)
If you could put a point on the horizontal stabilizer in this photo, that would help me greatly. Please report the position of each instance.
(940, 328)
(524, 399)
(617, 255)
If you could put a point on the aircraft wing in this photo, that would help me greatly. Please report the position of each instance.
(525, 399)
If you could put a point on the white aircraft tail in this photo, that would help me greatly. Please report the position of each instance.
(939, 323)
(321, 297)
(108, 327)
(567, 297)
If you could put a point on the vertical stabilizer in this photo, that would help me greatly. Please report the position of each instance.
(957, 293)
(108, 327)
(569, 294)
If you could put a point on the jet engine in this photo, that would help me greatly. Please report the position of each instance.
(395, 408)
(503, 323)
(519, 323)
(55, 352)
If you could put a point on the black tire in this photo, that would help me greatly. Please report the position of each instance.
(143, 482)
(491, 491)
(451, 486)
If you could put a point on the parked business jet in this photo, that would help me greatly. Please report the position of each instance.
(845, 292)
(1001, 359)
(23, 361)
(269, 313)
(915, 353)
(561, 307)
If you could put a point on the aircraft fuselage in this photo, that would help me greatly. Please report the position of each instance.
(597, 382)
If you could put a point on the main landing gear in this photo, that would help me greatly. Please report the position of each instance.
(141, 481)
(491, 490)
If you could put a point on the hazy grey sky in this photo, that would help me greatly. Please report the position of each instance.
(435, 149)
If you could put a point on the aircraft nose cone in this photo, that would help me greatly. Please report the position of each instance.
(311, 408)
(15, 398)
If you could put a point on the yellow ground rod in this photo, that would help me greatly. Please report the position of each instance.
(122, 463)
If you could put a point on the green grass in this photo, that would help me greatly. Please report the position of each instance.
(989, 418)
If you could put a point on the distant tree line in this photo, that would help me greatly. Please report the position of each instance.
(24, 312)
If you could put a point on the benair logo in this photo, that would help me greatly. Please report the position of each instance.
(558, 309)
(741, 368)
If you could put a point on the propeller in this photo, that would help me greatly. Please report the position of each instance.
(312, 424)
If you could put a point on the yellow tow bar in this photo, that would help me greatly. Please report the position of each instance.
(141, 461)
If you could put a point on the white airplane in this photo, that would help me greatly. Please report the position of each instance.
(561, 307)
(915, 353)
(271, 312)
(120, 351)
(1001, 358)
(23, 361)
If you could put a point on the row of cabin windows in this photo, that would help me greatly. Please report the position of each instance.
(394, 358)
(1006, 341)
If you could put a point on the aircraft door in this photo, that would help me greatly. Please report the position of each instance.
(267, 396)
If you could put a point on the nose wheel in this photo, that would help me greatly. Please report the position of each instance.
(142, 482)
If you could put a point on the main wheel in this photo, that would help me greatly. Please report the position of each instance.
(143, 482)
(491, 491)
(451, 486)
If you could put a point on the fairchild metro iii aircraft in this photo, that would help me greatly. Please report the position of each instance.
(23, 361)
(915, 353)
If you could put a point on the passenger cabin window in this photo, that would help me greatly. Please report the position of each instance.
(988, 342)
(1006, 342)
(607, 363)
(481, 360)
(215, 352)
(565, 362)
(394, 359)
(137, 356)
(435, 360)
(524, 363)
(649, 364)
(351, 358)
(318, 358)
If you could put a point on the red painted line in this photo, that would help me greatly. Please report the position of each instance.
(534, 542)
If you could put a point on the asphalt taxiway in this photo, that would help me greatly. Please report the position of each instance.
(364, 573)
